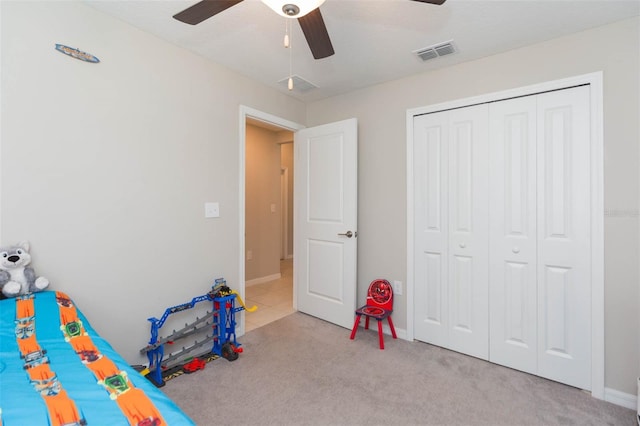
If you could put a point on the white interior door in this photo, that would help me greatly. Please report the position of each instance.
(325, 221)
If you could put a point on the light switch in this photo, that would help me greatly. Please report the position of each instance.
(397, 287)
(211, 209)
(273, 208)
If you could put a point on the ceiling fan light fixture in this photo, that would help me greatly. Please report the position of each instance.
(293, 8)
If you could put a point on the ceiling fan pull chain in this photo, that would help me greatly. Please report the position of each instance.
(286, 34)
(290, 82)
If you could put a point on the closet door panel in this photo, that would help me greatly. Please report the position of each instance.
(564, 288)
(512, 240)
(431, 228)
(468, 231)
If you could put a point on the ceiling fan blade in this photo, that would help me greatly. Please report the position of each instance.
(437, 2)
(316, 34)
(204, 10)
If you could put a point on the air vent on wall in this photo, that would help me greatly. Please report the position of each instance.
(435, 51)
(300, 85)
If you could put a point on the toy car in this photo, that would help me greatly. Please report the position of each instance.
(89, 356)
(230, 351)
(194, 365)
(150, 421)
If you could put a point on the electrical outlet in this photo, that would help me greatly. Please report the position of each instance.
(397, 288)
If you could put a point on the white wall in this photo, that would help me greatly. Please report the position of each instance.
(286, 160)
(262, 188)
(381, 113)
(106, 167)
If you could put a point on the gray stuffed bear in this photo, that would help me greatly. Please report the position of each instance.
(16, 278)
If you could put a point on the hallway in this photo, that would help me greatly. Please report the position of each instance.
(274, 298)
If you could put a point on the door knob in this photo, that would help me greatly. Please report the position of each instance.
(347, 234)
(515, 249)
(462, 245)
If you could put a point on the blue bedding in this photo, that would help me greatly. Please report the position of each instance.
(56, 370)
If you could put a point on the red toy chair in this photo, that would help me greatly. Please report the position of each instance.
(379, 306)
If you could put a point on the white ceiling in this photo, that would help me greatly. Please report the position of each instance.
(373, 39)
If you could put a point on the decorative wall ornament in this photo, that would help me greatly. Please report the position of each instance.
(76, 53)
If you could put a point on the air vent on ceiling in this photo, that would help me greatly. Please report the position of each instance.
(300, 85)
(435, 51)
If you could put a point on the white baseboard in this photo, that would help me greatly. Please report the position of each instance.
(622, 399)
(401, 333)
(262, 279)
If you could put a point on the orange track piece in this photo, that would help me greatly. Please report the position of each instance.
(28, 345)
(62, 409)
(41, 372)
(83, 343)
(137, 407)
(103, 368)
(24, 308)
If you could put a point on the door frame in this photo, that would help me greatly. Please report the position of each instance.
(244, 113)
(594, 81)
(284, 206)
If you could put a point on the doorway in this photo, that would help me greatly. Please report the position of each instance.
(325, 219)
(266, 222)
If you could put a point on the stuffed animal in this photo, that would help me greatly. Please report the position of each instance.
(16, 278)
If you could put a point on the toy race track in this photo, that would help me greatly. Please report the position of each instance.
(221, 321)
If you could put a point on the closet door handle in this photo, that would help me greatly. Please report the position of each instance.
(462, 245)
(515, 249)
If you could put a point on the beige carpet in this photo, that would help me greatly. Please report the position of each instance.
(303, 371)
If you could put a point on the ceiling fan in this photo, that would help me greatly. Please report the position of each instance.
(306, 11)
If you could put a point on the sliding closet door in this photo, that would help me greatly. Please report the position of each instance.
(564, 240)
(451, 224)
(513, 236)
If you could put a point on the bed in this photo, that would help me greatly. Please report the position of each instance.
(56, 370)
